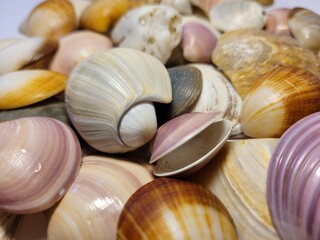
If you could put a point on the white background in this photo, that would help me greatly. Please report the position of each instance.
(13, 12)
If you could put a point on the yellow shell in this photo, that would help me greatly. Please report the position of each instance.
(279, 98)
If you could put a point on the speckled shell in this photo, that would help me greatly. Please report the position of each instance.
(238, 175)
(153, 29)
(277, 21)
(235, 15)
(279, 98)
(245, 55)
(172, 209)
(91, 207)
(34, 152)
(102, 89)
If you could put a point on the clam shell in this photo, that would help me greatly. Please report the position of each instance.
(34, 153)
(245, 55)
(277, 21)
(182, 6)
(77, 46)
(280, 98)
(25, 87)
(91, 207)
(235, 15)
(237, 176)
(103, 88)
(293, 181)
(172, 209)
(304, 25)
(153, 29)
(187, 143)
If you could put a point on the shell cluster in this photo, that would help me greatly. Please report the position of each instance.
(161, 119)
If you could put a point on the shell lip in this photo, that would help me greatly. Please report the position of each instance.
(165, 166)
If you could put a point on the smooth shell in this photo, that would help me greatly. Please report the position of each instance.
(279, 98)
(293, 181)
(277, 21)
(153, 29)
(104, 87)
(187, 143)
(237, 176)
(91, 207)
(35, 151)
(182, 6)
(172, 209)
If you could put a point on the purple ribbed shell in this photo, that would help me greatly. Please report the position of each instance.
(293, 186)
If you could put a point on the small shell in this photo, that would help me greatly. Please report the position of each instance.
(305, 27)
(199, 39)
(153, 29)
(79, 7)
(277, 21)
(278, 99)
(25, 87)
(77, 46)
(235, 15)
(172, 209)
(50, 19)
(238, 175)
(34, 152)
(245, 55)
(187, 143)
(20, 54)
(293, 181)
(100, 15)
(102, 89)
(91, 207)
(182, 6)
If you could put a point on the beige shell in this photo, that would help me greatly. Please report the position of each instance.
(238, 176)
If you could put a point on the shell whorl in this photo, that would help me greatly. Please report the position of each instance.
(104, 87)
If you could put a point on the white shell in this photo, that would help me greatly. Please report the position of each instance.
(182, 6)
(103, 88)
(234, 15)
(153, 29)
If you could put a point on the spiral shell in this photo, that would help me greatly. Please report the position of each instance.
(107, 98)
(34, 153)
(91, 207)
(172, 209)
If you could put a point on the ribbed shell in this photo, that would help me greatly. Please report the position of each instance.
(237, 176)
(293, 181)
(279, 98)
(91, 207)
(39, 159)
(172, 209)
(102, 88)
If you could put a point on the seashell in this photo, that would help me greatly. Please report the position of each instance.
(218, 95)
(34, 153)
(91, 207)
(182, 6)
(25, 87)
(50, 19)
(277, 21)
(79, 7)
(279, 98)
(235, 15)
(199, 39)
(187, 143)
(8, 41)
(304, 25)
(77, 46)
(138, 3)
(237, 176)
(180, 209)
(23, 53)
(293, 181)
(153, 29)
(245, 55)
(108, 98)
(100, 15)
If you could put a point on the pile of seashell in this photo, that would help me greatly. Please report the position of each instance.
(161, 119)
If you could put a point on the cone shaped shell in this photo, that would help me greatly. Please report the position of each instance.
(91, 207)
(22, 88)
(104, 87)
(172, 209)
(237, 176)
(280, 98)
(35, 151)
